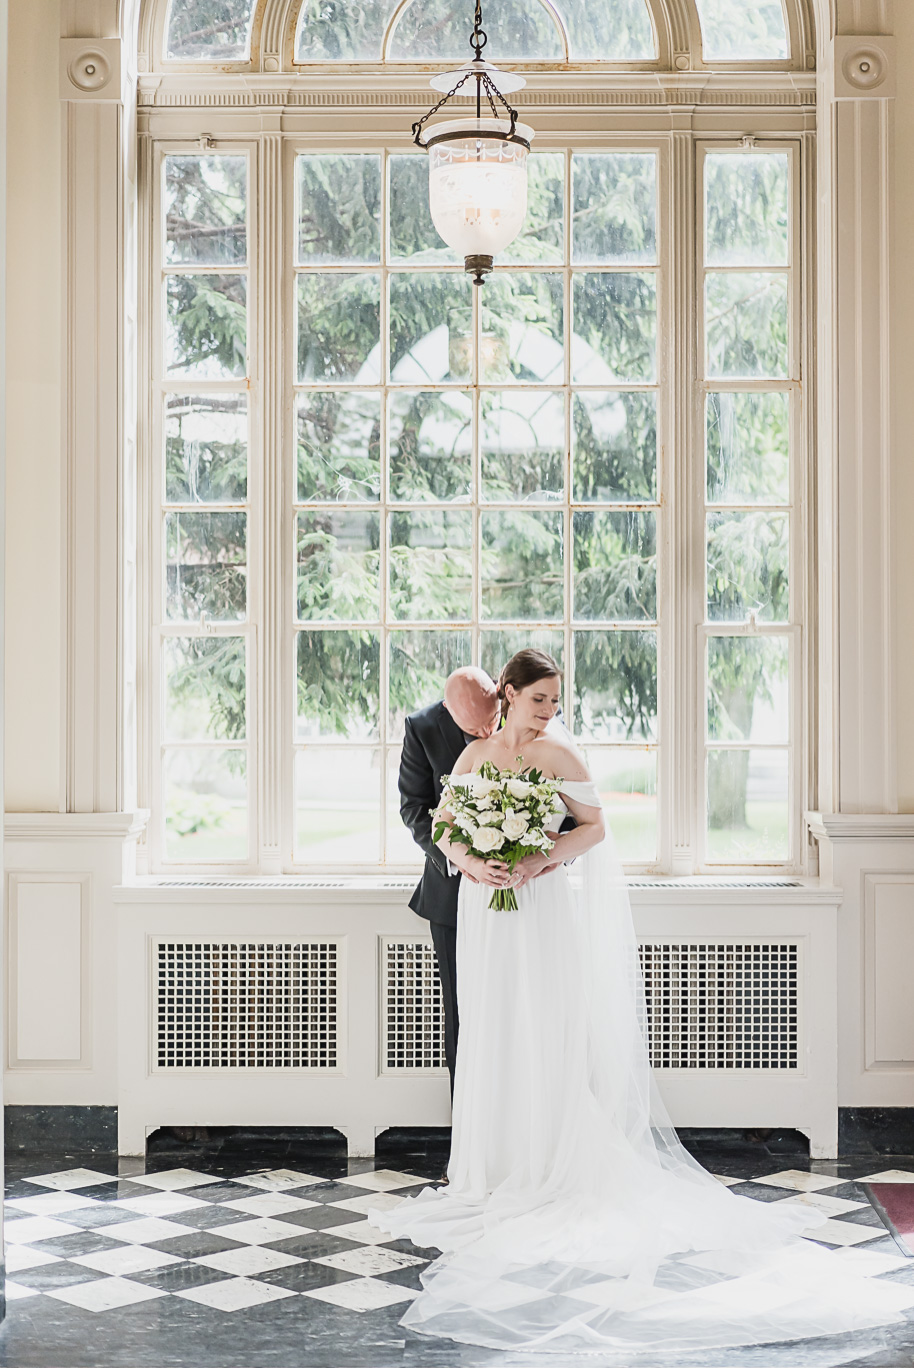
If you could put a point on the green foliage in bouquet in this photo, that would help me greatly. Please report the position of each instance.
(499, 814)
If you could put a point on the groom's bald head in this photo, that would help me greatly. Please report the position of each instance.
(471, 698)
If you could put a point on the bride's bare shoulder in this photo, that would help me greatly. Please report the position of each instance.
(558, 753)
(470, 758)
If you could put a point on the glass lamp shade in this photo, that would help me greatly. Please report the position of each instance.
(477, 182)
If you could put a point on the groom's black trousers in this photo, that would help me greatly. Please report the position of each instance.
(445, 942)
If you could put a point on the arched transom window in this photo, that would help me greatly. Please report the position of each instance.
(362, 472)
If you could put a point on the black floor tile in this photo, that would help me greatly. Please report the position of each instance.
(315, 1246)
(763, 1192)
(178, 1277)
(194, 1246)
(209, 1217)
(305, 1276)
(90, 1218)
(330, 1192)
(51, 1276)
(323, 1217)
(69, 1246)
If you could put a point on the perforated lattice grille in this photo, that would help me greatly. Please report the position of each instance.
(722, 1005)
(243, 1005)
(413, 1035)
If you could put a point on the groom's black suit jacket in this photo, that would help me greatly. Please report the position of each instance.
(431, 747)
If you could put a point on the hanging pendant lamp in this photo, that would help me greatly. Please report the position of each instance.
(477, 172)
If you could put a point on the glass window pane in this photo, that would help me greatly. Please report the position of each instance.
(339, 445)
(615, 328)
(206, 804)
(339, 207)
(498, 645)
(209, 30)
(522, 334)
(614, 446)
(206, 448)
(621, 32)
(339, 327)
(435, 30)
(205, 688)
(413, 236)
(521, 566)
(541, 237)
(748, 448)
(338, 685)
(430, 437)
(420, 662)
(746, 30)
(615, 686)
(206, 570)
(431, 566)
(746, 324)
(748, 697)
(615, 566)
(627, 781)
(401, 848)
(746, 209)
(748, 806)
(431, 327)
(206, 326)
(522, 445)
(336, 33)
(337, 806)
(748, 559)
(206, 209)
(614, 207)
(338, 563)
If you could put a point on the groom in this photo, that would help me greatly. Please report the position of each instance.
(435, 737)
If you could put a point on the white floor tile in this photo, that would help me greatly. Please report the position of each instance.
(106, 1294)
(147, 1230)
(362, 1232)
(270, 1204)
(818, 1202)
(264, 1230)
(173, 1180)
(50, 1203)
(15, 1292)
(799, 1181)
(248, 1262)
(378, 1201)
(276, 1180)
(73, 1178)
(362, 1294)
(160, 1204)
(843, 1233)
(32, 1228)
(383, 1180)
(888, 1176)
(126, 1259)
(236, 1294)
(870, 1262)
(20, 1257)
(369, 1262)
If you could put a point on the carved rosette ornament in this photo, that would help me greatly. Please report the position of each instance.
(864, 67)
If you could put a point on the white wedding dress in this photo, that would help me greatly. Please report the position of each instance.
(574, 1221)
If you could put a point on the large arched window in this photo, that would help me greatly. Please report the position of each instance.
(361, 472)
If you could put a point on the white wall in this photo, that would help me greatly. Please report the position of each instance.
(903, 472)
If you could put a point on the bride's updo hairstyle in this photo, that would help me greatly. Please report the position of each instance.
(523, 669)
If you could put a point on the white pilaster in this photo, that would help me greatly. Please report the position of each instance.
(92, 90)
(857, 721)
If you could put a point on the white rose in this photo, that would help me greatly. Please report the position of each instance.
(487, 839)
(464, 821)
(515, 824)
(485, 802)
(482, 787)
(492, 819)
(518, 788)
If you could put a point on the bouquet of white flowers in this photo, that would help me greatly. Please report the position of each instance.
(499, 813)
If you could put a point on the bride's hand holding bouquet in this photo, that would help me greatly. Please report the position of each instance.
(500, 817)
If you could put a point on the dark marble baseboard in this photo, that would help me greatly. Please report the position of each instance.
(77, 1130)
(875, 1130)
(93, 1130)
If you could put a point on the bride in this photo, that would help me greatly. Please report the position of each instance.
(573, 1220)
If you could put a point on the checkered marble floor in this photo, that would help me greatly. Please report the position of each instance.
(286, 1259)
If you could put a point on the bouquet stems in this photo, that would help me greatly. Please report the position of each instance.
(504, 900)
